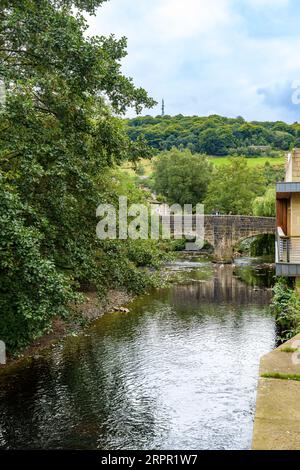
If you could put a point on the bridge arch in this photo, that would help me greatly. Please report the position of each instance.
(223, 232)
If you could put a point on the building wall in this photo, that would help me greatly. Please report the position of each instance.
(289, 168)
(295, 215)
(289, 210)
(293, 167)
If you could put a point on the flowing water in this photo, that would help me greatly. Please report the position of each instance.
(177, 372)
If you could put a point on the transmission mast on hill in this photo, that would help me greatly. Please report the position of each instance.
(163, 107)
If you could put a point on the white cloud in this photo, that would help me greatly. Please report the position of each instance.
(184, 19)
(199, 55)
(267, 3)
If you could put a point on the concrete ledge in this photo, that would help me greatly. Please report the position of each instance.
(282, 362)
(277, 418)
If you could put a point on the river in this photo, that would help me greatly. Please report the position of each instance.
(177, 372)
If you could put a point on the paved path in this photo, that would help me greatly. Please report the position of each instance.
(277, 419)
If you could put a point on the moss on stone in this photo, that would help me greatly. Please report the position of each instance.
(280, 376)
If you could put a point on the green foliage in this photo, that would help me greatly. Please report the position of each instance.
(261, 245)
(216, 140)
(215, 135)
(233, 188)
(119, 265)
(58, 141)
(250, 275)
(175, 245)
(254, 151)
(145, 253)
(273, 174)
(286, 307)
(265, 206)
(32, 291)
(140, 170)
(182, 177)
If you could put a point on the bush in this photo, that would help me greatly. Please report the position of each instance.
(265, 206)
(286, 307)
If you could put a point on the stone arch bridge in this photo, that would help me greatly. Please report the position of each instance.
(225, 231)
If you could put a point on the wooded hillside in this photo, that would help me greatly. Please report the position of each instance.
(215, 135)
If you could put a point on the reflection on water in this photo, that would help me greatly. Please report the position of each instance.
(224, 287)
(254, 274)
(179, 371)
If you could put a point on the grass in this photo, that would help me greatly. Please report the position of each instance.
(146, 164)
(252, 162)
(217, 161)
(278, 375)
(289, 350)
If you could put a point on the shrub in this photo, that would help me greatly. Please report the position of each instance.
(286, 307)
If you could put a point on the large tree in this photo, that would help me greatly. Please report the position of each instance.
(265, 206)
(58, 136)
(233, 188)
(182, 177)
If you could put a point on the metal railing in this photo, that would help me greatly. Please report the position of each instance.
(288, 248)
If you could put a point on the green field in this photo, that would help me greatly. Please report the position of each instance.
(217, 161)
(252, 162)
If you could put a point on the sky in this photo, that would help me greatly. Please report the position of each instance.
(227, 57)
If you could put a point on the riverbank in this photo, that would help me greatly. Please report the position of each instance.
(90, 310)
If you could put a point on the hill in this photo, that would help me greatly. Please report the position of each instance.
(215, 135)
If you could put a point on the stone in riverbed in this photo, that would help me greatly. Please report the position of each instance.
(121, 309)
